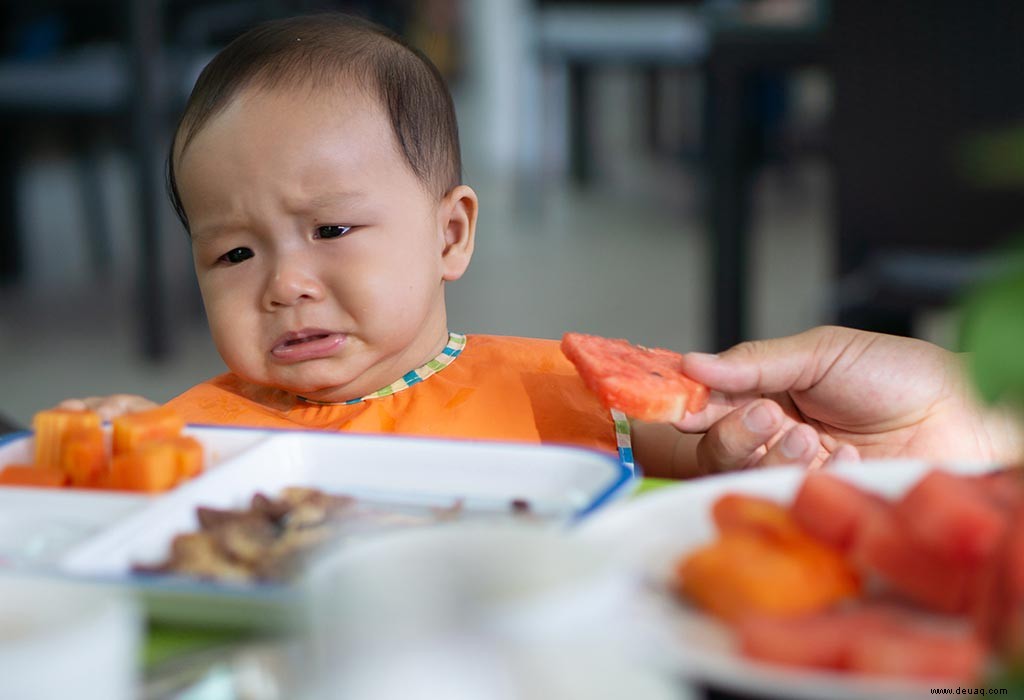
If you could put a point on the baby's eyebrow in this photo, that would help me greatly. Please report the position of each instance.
(212, 231)
(335, 198)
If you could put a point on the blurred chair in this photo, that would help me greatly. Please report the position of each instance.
(128, 77)
(581, 38)
(122, 81)
(912, 87)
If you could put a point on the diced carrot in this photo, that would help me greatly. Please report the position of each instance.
(735, 512)
(151, 467)
(84, 456)
(133, 429)
(50, 428)
(744, 573)
(32, 475)
(190, 457)
(189, 453)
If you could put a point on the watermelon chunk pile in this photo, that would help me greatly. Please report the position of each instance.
(942, 579)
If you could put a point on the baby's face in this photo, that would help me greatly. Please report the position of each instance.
(318, 251)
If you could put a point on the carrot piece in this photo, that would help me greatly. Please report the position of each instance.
(743, 573)
(735, 512)
(189, 453)
(133, 429)
(152, 467)
(50, 428)
(190, 457)
(84, 456)
(32, 475)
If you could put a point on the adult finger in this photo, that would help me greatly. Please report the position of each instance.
(796, 362)
(719, 406)
(800, 445)
(844, 453)
(737, 439)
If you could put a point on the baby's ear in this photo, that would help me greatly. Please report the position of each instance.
(458, 213)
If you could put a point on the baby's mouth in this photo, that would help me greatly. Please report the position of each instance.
(308, 338)
(306, 344)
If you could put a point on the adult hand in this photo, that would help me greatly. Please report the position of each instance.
(110, 406)
(832, 394)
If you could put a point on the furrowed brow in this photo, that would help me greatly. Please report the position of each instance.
(329, 199)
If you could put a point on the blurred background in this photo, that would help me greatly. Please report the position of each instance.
(683, 174)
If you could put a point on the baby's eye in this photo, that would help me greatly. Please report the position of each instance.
(236, 256)
(332, 231)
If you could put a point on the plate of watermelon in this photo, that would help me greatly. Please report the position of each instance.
(871, 580)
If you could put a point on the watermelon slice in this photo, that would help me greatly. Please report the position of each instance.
(885, 548)
(953, 517)
(872, 639)
(832, 509)
(644, 383)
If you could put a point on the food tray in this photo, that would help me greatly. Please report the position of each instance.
(38, 526)
(559, 485)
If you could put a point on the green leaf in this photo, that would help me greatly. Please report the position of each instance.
(993, 332)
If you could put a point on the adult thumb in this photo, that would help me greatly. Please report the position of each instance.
(793, 363)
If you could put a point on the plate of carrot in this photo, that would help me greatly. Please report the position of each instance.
(73, 476)
(881, 579)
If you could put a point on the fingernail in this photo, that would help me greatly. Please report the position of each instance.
(794, 444)
(758, 419)
(701, 356)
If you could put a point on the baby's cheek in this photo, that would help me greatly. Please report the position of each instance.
(230, 335)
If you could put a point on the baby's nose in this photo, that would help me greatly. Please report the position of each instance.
(293, 281)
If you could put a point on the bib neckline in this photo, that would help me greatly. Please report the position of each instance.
(456, 344)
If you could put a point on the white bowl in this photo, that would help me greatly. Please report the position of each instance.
(59, 640)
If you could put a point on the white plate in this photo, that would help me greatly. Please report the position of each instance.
(38, 526)
(559, 483)
(647, 535)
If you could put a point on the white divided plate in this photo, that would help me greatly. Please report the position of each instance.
(648, 535)
(559, 483)
(38, 526)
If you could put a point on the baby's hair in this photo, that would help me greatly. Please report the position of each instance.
(322, 51)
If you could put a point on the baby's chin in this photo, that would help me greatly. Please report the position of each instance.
(327, 389)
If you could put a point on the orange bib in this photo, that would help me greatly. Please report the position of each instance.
(482, 387)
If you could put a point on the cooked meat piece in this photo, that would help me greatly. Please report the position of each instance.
(299, 540)
(297, 495)
(245, 540)
(305, 514)
(275, 509)
(196, 554)
(212, 518)
(272, 538)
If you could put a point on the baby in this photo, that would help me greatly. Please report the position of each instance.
(317, 171)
